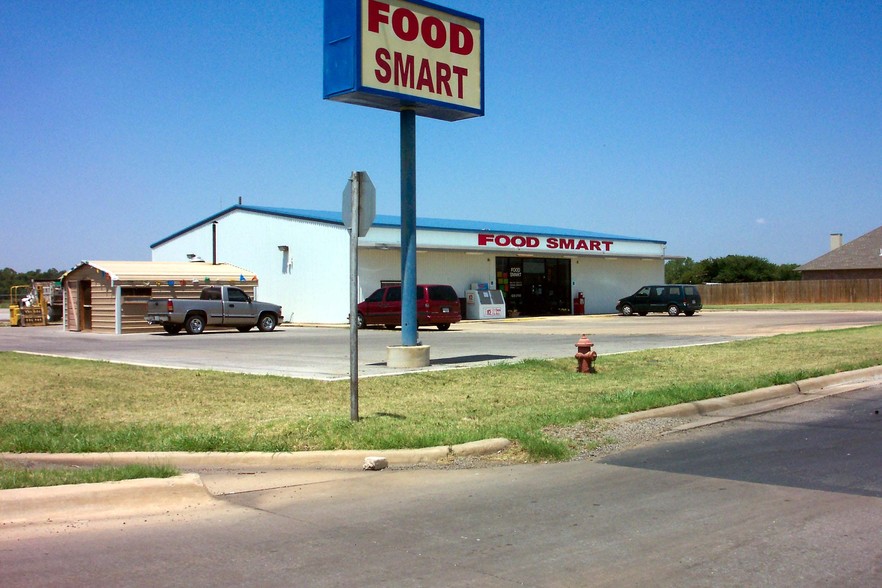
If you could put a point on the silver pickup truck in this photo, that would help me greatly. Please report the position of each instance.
(222, 306)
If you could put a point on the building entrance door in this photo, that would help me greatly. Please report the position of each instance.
(534, 286)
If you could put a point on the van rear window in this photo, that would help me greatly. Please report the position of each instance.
(442, 293)
(690, 290)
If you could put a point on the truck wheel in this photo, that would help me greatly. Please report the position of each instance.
(266, 323)
(244, 329)
(195, 324)
(172, 329)
(673, 310)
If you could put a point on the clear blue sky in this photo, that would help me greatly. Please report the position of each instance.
(750, 128)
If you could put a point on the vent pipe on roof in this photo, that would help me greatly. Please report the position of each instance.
(214, 243)
(835, 241)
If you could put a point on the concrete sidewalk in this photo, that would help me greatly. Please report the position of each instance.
(105, 500)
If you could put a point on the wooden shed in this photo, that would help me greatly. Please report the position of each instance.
(111, 296)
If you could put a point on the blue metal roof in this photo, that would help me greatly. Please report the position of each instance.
(435, 224)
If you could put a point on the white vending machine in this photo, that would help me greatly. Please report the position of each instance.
(484, 304)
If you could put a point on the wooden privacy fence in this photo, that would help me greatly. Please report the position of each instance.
(795, 291)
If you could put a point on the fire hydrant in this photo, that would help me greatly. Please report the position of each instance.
(585, 356)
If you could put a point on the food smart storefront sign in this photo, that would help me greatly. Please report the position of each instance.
(546, 243)
(397, 54)
(510, 243)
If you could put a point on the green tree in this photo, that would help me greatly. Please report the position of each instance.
(683, 271)
(9, 278)
(788, 271)
(729, 269)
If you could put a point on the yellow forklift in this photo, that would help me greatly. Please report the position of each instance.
(27, 307)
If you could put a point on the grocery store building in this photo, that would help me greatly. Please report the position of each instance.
(302, 260)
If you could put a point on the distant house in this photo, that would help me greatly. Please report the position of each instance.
(857, 259)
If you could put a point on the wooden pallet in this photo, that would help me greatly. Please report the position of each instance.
(33, 316)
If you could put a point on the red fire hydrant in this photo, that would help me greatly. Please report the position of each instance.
(585, 356)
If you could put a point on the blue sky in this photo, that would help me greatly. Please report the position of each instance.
(750, 128)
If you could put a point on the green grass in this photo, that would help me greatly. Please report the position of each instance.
(61, 405)
(21, 477)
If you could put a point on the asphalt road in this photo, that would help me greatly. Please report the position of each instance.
(323, 352)
(788, 498)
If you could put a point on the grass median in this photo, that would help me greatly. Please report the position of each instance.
(60, 405)
(15, 476)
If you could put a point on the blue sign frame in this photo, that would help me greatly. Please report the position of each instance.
(343, 53)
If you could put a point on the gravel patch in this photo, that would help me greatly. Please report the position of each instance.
(592, 440)
(589, 440)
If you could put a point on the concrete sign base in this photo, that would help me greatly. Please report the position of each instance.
(407, 356)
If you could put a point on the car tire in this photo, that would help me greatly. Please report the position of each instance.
(359, 321)
(673, 309)
(689, 312)
(627, 310)
(172, 329)
(443, 326)
(266, 322)
(390, 327)
(195, 324)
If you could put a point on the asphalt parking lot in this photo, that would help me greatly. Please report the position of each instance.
(322, 352)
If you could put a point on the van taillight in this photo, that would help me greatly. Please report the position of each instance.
(170, 305)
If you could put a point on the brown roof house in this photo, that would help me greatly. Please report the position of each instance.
(857, 259)
(111, 296)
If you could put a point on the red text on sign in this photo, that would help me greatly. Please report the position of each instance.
(401, 70)
(559, 243)
(406, 26)
(434, 74)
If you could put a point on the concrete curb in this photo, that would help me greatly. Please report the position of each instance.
(811, 386)
(103, 500)
(23, 506)
(303, 459)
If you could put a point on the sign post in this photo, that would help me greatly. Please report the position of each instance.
(359, 210)
(415, 58)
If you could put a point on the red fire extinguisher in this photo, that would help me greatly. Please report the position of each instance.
(579, 304)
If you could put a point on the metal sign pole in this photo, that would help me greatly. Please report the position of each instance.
(353, 297)
(408, 229)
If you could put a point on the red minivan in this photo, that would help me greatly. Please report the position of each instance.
(436, 305)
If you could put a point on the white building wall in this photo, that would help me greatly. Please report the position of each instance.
(310, 281)
(458, 269)
(604, 281)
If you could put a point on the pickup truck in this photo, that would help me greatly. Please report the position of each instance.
(223, 306)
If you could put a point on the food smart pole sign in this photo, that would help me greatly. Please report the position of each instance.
(417, 59)
(398, 54)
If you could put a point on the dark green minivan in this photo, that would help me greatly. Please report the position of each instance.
(670, 298)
